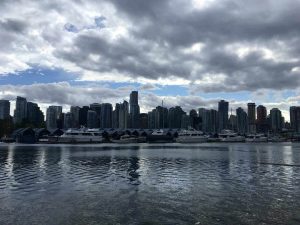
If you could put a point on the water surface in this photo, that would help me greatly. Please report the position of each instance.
(150, 184)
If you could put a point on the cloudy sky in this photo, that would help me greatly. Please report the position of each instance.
(192, 53)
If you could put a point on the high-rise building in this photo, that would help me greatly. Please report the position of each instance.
(115, 116)
(276, 120)
(223, 114)
(209, 120)
(134, 109)
(34, 114)
(106, 115)
(251, 118)
(212, 121)
(20, 113)
(91, 119)
(295, 118)
(242, 121)
(143, 120)
(75, 110)
(97, 108)
(261, 121)
(53, 114)
(83, 116)
(185, 121)
(123, 115)
(151, 119)
(161, 117)
(174, 117)
(68, 120)
(4, 109)
(204, 118)
(232, 122)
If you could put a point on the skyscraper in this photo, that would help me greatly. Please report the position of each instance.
(20, 113)
(223, 115)
(242, 121)
(174, 117)
(123, 115)
(251, 118)
(276, 120)
(75, 110)
(161, 117)
(83, 116)
(34, 114)
(116, 114)
(97, 108)
(134, 109)
(143, 120)
(91, 119)
(53, 114)
(68, 120)
(261, 122)
(106, 115)
(185, 121)
(4, 109)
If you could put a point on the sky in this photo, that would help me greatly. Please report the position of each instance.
(189, 53)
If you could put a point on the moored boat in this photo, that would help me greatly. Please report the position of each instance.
(256, 138)
(230, 136)
(78, 136)
(191, 136)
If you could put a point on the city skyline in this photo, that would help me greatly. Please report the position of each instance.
(68, 53)
(256, 119)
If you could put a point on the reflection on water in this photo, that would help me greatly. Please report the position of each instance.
(150, 184)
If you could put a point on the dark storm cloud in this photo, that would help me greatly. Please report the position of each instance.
(160, 38)
(162, 30)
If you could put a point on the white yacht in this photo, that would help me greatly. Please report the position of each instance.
(159, 136)
(191, 136)
(256, 138)
(79, 136)
(230, 136)
(126, 139)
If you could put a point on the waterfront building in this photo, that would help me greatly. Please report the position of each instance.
(134, 109)
(174, 117)
(97, 108)
(185, 121)
(251, 118)
(212, 126)
(83, 111)
(295, 118)
(34, 114)
(242, 121)
(4, 109)
(20, 113)
(68, 120)
(91, 119)
(75, 110)
(53, 114)
(143, 120)
(123, 115)
(223, 114)
(232, 123)
(276, 120)
(106, 115)
(151, 119)
(115, 116)
(161, 117)
(261, 122)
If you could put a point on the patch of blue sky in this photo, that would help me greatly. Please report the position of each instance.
(238, 96)
(37, 75)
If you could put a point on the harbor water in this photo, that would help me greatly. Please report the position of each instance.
(209, 183)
